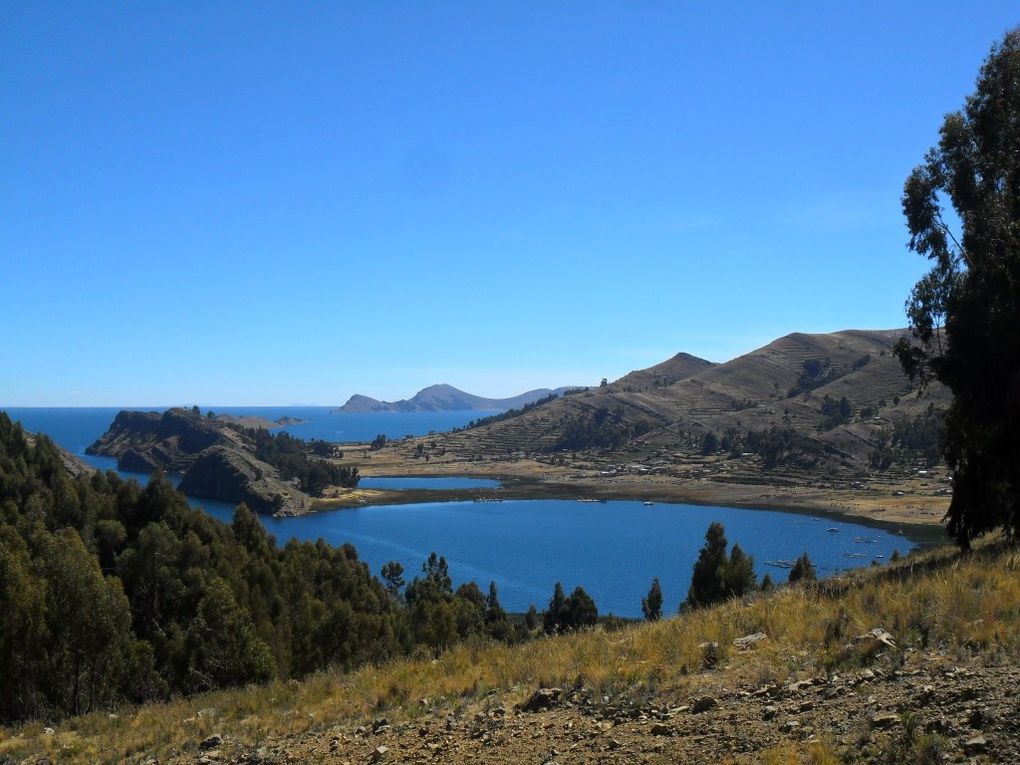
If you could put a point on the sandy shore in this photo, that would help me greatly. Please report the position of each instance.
(911, 499)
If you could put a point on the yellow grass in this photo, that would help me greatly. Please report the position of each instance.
(960, 603)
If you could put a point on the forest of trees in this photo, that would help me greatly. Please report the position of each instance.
(290, 456)
(111, 592)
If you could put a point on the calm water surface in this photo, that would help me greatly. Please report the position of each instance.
(613, 549)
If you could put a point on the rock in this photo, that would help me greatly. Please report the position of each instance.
(749, 642)
(211, 742)
(661, 729)
(807, 706)
(769, 712)
(878, 635)
(380, 725)
(884, 720)
(791, 725)
(542, 699)
(709, 654)
(975, 745)
(231, 475)
(379, 753)
(704, 704)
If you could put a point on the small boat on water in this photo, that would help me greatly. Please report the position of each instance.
(832, 530)
(590, 500)
(649, 503)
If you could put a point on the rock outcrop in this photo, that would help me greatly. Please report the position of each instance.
(231, 475)
(215, 459)
(170, 441)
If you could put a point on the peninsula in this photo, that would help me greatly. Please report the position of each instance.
(221, 460)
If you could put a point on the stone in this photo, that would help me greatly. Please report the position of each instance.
(704, 704)
(211, 742)
(769, 712)
(790, 726)
(748, 642)
(379, 753)
(877, 635)
(661, 729)
(542, 699)
(884, 720)
(975, 745)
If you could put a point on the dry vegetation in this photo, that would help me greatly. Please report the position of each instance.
(965, 607)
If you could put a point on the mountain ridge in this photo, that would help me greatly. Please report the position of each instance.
(443, 397)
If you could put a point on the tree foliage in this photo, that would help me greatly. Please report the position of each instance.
(803, 570)
(110, 592)
(715, 576)
(965, 312)
(651, 606)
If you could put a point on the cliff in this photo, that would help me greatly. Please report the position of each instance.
(230, 475)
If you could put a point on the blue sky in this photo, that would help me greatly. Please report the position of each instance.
(275, 203)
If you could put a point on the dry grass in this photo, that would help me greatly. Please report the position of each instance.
(962, 603)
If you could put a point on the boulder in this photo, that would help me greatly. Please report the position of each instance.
(704, 704)
(877, 635)
(542, 699)
(749, 642)
(211, 742)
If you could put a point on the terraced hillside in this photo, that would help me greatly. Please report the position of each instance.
(841, 397)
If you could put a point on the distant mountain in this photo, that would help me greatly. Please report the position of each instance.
(445, 398)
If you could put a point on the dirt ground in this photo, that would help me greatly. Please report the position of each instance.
(914, 497)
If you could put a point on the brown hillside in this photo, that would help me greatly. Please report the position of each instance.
(674, 404)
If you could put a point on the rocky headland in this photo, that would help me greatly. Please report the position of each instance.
(215, 457)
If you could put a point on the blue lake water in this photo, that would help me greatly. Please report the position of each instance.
(613, 549)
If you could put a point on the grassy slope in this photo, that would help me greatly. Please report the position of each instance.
(963, 606)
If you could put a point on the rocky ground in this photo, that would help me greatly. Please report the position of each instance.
(951, 712)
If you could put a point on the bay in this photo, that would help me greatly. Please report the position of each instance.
(613, 549)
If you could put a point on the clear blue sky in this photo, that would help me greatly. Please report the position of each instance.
(274, 203)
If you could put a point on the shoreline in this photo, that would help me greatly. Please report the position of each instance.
(923, 533)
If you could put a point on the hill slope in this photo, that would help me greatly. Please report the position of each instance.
(445, 398)
(817, 688)
(795, 385)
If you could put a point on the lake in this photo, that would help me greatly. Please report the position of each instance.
(613, 549)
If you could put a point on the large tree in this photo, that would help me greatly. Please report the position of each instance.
(965, 312)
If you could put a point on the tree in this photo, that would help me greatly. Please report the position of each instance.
(803, 570)
(552, 619)
(738, 577)
(393, 577)
(706, 578)
(965, 312)
(651, 606)
(710, 443)
(580, 611)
